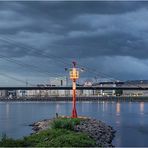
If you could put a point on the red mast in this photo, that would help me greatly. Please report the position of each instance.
(74, 75)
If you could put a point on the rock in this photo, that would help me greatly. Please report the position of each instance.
(99, 131)
(41, 125)
(35, 128)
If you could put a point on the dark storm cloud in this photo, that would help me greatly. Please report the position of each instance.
(72, 24)
(76, 30)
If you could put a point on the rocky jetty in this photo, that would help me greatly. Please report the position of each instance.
(98, 130)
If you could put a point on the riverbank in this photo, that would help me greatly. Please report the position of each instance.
(93, 98)
(65, 132)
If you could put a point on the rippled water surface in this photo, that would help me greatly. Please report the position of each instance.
(130, 119)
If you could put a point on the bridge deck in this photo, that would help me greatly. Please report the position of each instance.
(69, 88)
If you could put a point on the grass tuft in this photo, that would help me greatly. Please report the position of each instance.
(65, 123)
(60, 135)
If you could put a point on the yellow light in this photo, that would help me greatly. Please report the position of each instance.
(74, 73)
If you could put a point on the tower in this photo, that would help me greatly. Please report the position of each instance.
(74, 75)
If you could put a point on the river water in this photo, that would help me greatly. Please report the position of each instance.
(130, 119)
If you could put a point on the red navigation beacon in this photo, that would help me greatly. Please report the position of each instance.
(74, 75)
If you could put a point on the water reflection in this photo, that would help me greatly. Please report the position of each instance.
(104, 106)
(118, 108)
(7, 110)
(129, 119)
(141, 108)
(130, 107)
(57, 108)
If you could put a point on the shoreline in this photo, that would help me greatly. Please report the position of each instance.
(109, 98)
(102, 133)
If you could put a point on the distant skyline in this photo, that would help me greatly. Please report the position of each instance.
(46, 36)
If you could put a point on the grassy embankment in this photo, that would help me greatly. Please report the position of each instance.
(60, 134)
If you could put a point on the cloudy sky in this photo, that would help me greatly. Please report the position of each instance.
(39, 39)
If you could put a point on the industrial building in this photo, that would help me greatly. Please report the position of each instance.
(10, 94)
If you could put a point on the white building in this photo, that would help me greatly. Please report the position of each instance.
(138, 84)
(87, 92)
(3, 93)
(21, 93)
(58, 81)
(104, 92)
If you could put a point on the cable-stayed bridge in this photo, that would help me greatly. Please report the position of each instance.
(95, 73)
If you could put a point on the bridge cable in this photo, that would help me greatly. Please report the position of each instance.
(39, 52)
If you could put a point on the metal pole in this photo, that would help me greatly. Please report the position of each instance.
(74, 111)
(74, 75)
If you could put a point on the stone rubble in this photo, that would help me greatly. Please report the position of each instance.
(41, 125)
(98, 130)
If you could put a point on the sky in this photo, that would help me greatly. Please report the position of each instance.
(38, 40)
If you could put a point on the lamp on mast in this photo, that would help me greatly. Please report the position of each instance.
(74, 75)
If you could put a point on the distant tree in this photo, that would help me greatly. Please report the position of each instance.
(118, 92)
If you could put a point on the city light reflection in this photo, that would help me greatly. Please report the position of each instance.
(142, 108)
(7, 110)
(118, 108)
(57, 108)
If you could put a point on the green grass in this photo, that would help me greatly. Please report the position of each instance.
(60, 135)
(65, 123)
(66, 138)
